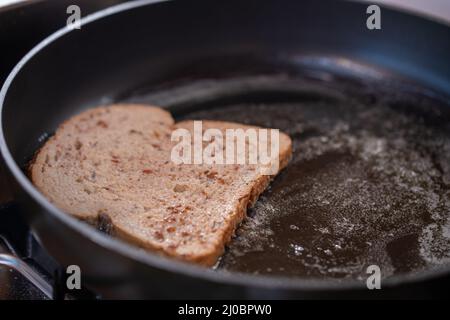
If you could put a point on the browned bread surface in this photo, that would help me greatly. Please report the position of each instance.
(111, 167)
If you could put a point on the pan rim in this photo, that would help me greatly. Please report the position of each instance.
(148, 258)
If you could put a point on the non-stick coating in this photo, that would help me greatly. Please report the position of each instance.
(143, 45)
(368, 182)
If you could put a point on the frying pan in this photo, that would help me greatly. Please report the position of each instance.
(129, 50)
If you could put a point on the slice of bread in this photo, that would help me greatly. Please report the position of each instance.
(111, 166)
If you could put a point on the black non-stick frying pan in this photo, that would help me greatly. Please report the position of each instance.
(368, 111)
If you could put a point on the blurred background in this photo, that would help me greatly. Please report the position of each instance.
(435, 8)
(439, 9)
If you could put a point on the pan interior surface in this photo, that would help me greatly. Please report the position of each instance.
(368, 184)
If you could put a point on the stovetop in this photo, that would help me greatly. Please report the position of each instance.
(27, 271)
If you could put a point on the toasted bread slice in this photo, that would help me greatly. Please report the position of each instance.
(111, 166)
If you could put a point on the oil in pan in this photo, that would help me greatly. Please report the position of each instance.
(369, 181)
